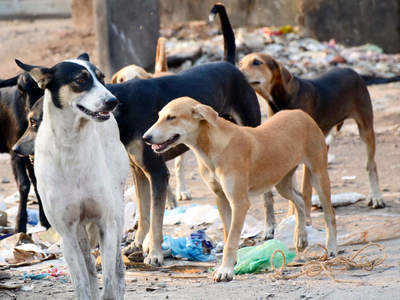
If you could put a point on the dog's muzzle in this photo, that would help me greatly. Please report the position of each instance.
(161, 146)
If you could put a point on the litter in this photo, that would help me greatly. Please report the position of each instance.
(256, 258)
(341, 199)
(195, 248)
(322, 264)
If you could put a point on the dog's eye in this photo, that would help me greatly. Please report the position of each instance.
(169, 118)
(81, 79)
(33, 123)
(256, 62)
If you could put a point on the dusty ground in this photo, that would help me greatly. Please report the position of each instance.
(47, 42)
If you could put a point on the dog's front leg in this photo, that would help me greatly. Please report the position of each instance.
(239, 201)
(19, 169)
(158, 184)
(181, 191)
(42, 217)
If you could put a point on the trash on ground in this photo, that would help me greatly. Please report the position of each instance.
(341, 199)
(257, 258)
(196, 247)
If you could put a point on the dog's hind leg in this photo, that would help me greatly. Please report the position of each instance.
(112, 265)
(320, 181)
(366, 130)
(32, 177)
(269, 215)
(81, 265)
(286, 190)
(19, 169)
(307, 193)
(181, 191)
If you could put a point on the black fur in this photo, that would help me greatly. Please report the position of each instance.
(17, 96)
(227, 32)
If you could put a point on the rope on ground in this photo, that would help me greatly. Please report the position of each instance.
(322, 264)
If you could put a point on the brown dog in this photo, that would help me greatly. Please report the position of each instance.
(160, 69)
(237, 161)
(330, 99)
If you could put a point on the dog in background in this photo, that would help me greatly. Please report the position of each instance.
(329, 99)
(81, 168)
(160, 69)
(237, 161)
(17, 96)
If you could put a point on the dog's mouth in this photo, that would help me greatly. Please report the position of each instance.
(163, 146)
(255, 82)
(99, 115)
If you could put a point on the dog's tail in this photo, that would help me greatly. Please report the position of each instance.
(369, 80)
(9, 82)
(227, 32)
(161, 57)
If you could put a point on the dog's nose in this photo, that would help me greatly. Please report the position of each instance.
(111, 103)
(147, 138)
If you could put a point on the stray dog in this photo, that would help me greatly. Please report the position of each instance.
(17, 96)
(219, 84)
(81, 168)
(160, 69)
(330, 99)
(237, 161)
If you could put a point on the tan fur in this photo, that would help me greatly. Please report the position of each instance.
(237, 161)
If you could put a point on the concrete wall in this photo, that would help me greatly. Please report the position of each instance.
(13, 9)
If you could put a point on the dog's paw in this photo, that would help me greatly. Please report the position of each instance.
(154, 258)
(171, 201)
(183, 196)
(376, 202)
(269, 233)
(301, 241)
(223, 274)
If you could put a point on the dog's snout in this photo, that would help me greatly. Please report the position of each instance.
(147, 138)
(111, 103)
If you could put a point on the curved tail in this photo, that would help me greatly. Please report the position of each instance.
(161, 57)
(227, 32)
(369, 80)
(9, 82)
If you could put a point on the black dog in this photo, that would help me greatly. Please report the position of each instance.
(17, 95)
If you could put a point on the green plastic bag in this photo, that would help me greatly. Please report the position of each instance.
(256, 258)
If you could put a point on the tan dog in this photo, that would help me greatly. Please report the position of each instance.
(237, 161)
(331, 98)
(160, 69)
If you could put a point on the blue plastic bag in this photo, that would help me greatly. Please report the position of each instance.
(33, 216)
(193, 248)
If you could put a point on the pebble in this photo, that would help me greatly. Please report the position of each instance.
(5, 180)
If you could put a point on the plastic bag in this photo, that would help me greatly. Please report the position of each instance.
(195, 247)
(256, 258)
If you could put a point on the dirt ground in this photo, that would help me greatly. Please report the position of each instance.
(48, 41)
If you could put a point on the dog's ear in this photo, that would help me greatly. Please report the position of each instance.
(205, 112)
(84, 56)
(41, 75)
(286, 76)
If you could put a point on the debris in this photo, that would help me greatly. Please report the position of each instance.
(256, 258)
(348, 178)
(5, 180)
(341, 199)
(196, 247)
(3, 218)
(323, 264)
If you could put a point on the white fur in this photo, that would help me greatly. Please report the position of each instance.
(81, 171)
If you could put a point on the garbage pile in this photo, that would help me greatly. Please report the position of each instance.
(303, 56)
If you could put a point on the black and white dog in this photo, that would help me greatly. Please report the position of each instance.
(81, 168)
